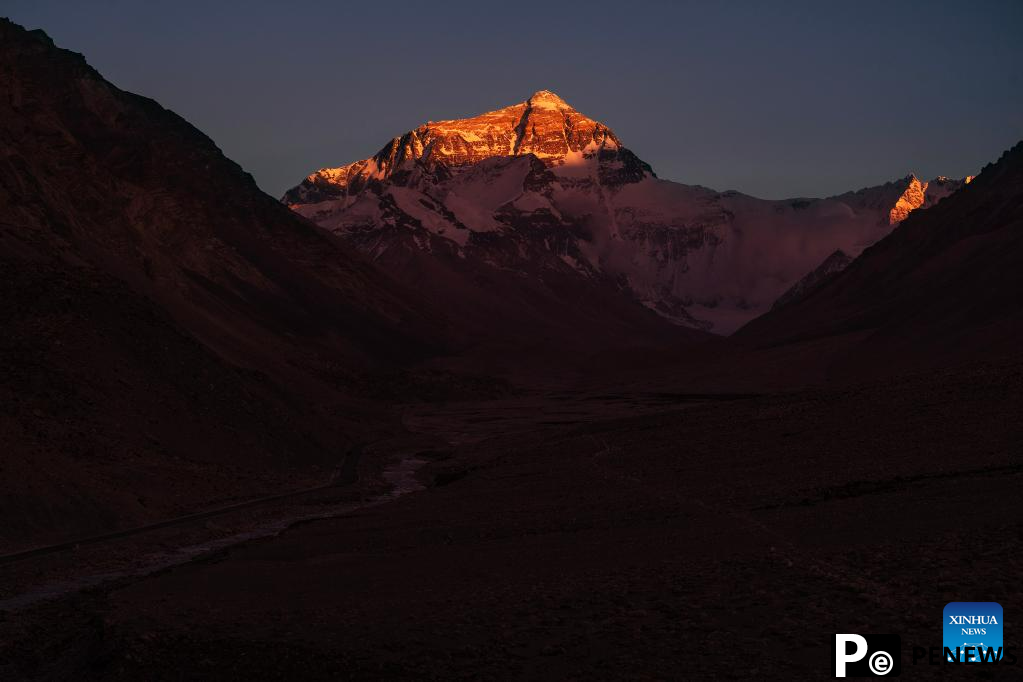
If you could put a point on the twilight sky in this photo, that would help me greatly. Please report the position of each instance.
(773, 99)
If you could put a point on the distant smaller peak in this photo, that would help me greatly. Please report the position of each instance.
(945, 179)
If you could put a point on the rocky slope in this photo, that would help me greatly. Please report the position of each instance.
(171, 336)
(831, 266)
(539, 188)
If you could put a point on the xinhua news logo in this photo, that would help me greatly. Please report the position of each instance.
(972, 632)
(868, 655)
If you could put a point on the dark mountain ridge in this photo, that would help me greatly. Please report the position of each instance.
(172, 335)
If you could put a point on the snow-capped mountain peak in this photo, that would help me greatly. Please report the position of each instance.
(545, 99)
(543, 125)
(543, 191)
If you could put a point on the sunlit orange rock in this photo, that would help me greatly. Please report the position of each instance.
(912, 198)
(923, 195)
(544, 125)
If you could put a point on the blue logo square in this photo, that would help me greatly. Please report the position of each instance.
(976, 624)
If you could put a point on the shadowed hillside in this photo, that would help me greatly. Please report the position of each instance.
(172, 335)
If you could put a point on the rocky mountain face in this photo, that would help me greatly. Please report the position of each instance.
(943, 287)
(171, 335)
(544, 126)
(539, 189)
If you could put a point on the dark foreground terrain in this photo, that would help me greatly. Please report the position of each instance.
(689, 538)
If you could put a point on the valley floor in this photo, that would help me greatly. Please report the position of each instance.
(567, 536)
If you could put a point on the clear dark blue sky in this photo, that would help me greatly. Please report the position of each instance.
(774, 99)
